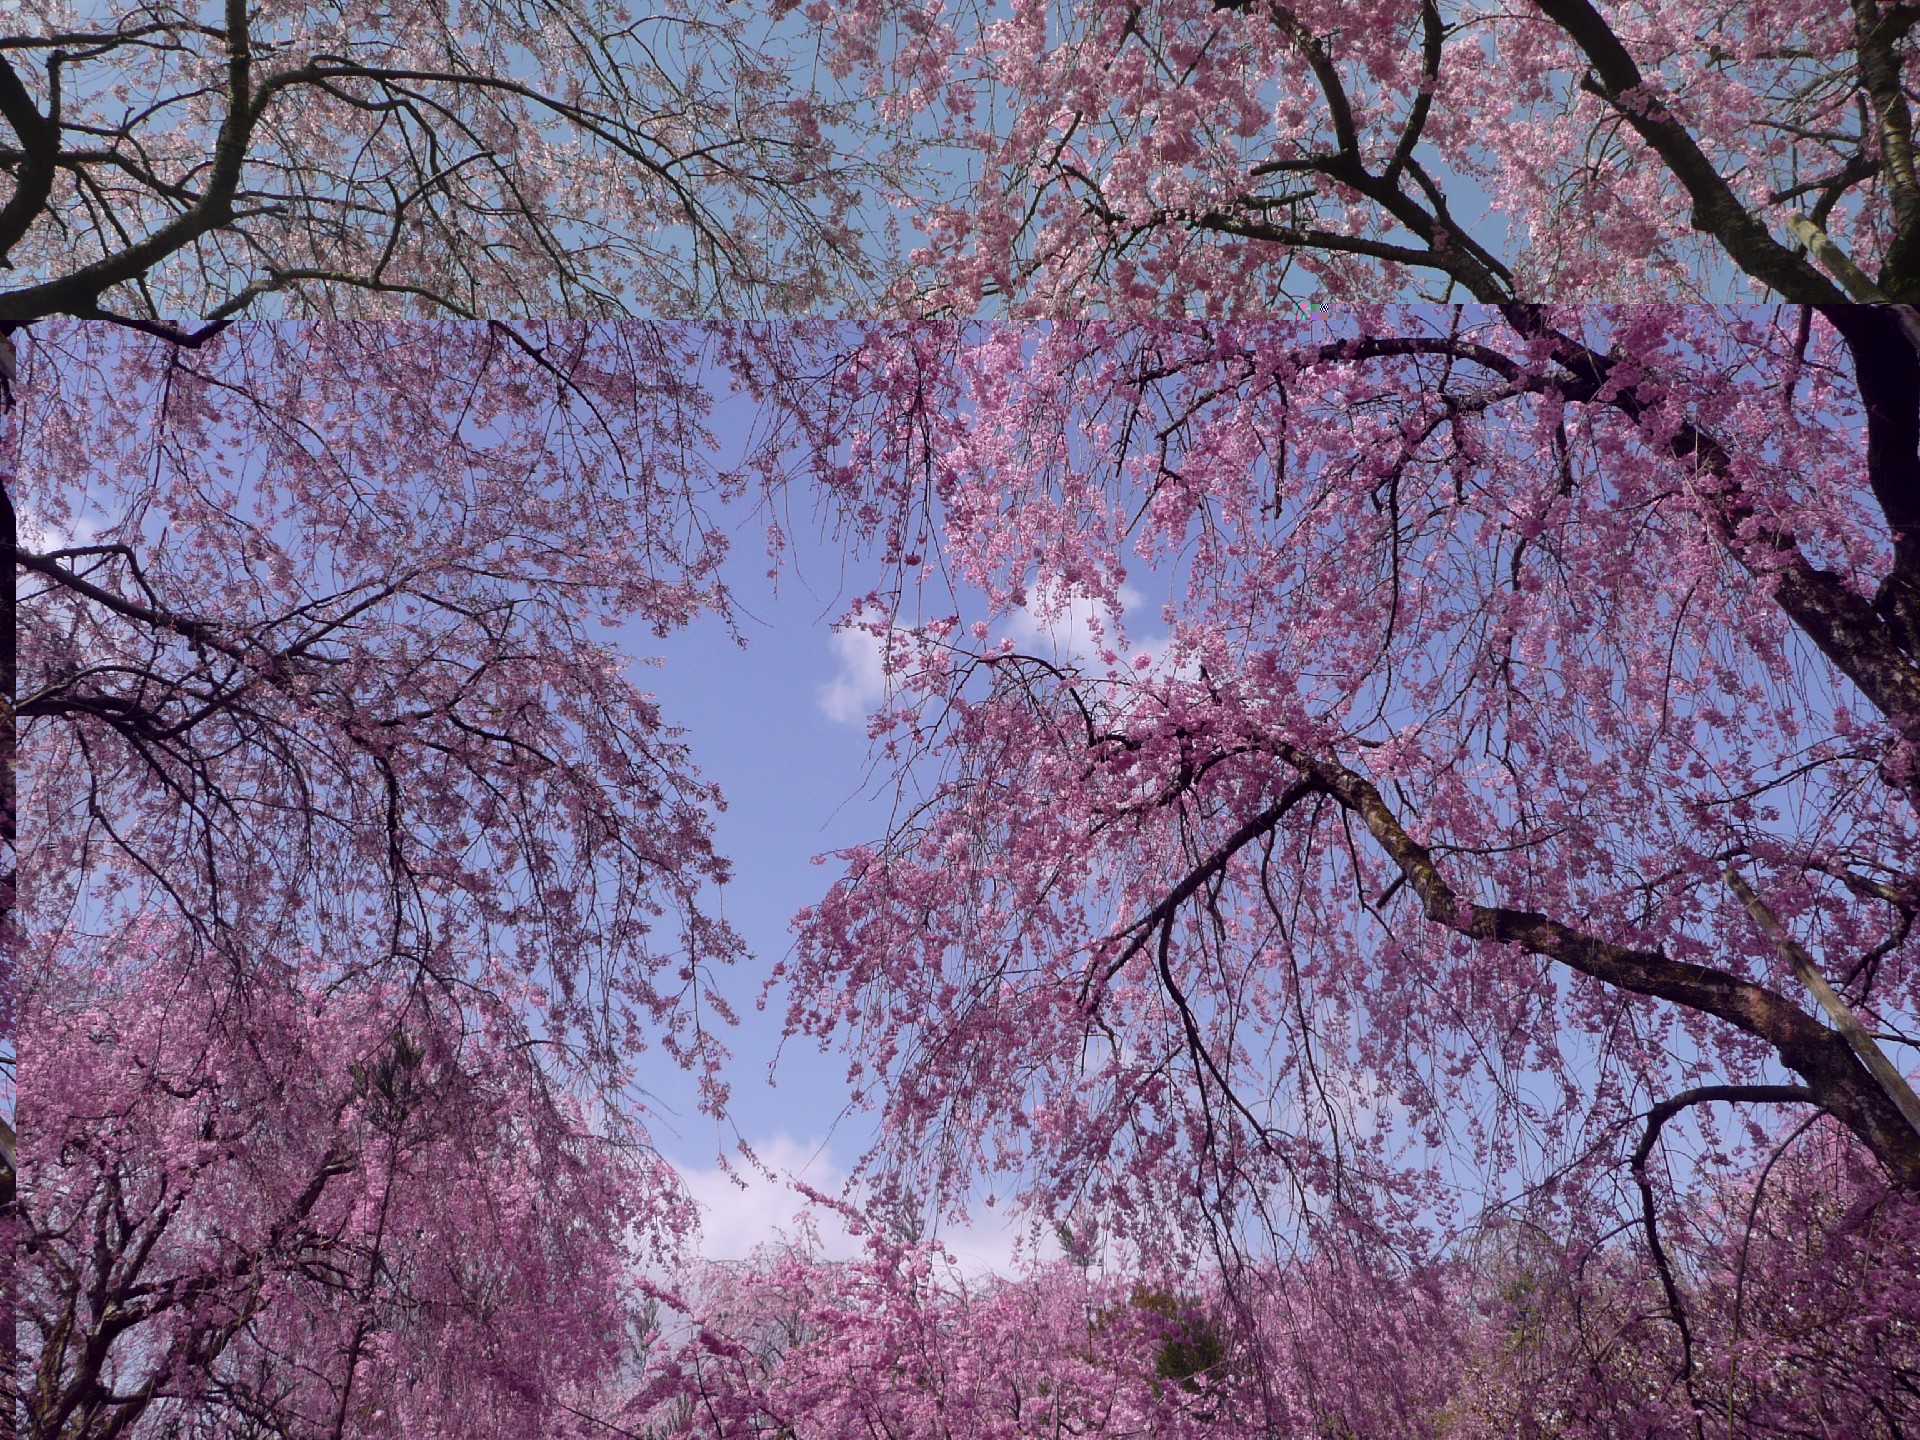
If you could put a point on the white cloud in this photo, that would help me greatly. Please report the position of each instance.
(745, 1209)
(851, 695)
(37, 534)
(985, 1247)
(1073, 633)
(1070, 631)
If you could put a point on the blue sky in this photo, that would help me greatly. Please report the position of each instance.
(779, 723)
(795, 781)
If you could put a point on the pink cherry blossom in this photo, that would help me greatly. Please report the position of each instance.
(1518, 802)
(359, 880)
(1226, 157)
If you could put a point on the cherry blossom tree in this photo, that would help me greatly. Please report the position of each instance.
(1799, 1280)
(1366, 777)
(1799, 1276)
(1220, 156)
(9, 1033)
(897, 1343)
(359, 879)
(306, 655)
(305, 1209)
(1512, 800)
(173, 165)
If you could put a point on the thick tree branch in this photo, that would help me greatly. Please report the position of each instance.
(1844, 1020)
(1433, 38)
(78, 292)
(1837, 262)
(1616, 78)
(1876, 36)
(1886, 365)
(1455, 264)
(1848, 629)
(1842, 1085)
(39, 137)
(9, 767)
(195, 632)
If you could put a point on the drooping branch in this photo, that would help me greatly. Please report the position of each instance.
(1657, 1117)
(326, 158)
(1160, 917)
